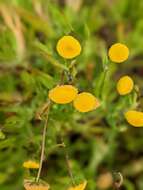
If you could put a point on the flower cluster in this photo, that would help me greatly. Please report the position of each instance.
(83, 102)
(119, 53)
(68, 47)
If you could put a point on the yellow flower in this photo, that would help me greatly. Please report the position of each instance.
(118, 53)
(81, 186)
(134, 118)
(31, 164)
(68, 47)
(85, 102)
(63, 94)
(125, 85)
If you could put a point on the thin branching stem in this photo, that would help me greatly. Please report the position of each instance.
(65, 147)
(43, 142)
(68, 162)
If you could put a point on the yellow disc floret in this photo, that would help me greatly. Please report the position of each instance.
(125, 85)
(85, 102)
(81, 186)
(134, 118)
(63, 94)
(68, 47)
(31, 164)
(118, 53)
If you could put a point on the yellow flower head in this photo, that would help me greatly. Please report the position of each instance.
(63, 94)
(125, 85)
(31, 164)
(134, 118)
(85, 102)
(36, 187)
(68, 47)
(118, 53)
(81, 186)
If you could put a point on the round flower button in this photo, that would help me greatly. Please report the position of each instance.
(134, 118)
(125, 85)
(85, 102)
(68, 47)
(63, 94)
(118, 53)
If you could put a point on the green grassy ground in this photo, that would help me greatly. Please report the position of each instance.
(97, 142)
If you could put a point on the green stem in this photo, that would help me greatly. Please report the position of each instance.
(103, 82)
(43, 143)
(66, 151)
(68, 162)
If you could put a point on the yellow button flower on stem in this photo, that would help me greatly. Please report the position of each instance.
(31, 164)
(85, 102)
(125, 85)
(63, 94)
(81, 186)
(118, 53)
(134, 118)
(68, 47)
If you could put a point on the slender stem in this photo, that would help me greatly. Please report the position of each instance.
(62, 142)
(69, 168)
(43, 143)
(68, 162)
(62, 77)
(103, 82)
(44, 140)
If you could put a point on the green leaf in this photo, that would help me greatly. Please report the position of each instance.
(44, 78)
(2, 135)
(35, 21)
(7, 143)
(45, 52)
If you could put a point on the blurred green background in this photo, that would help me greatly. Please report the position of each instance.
(99, 142)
